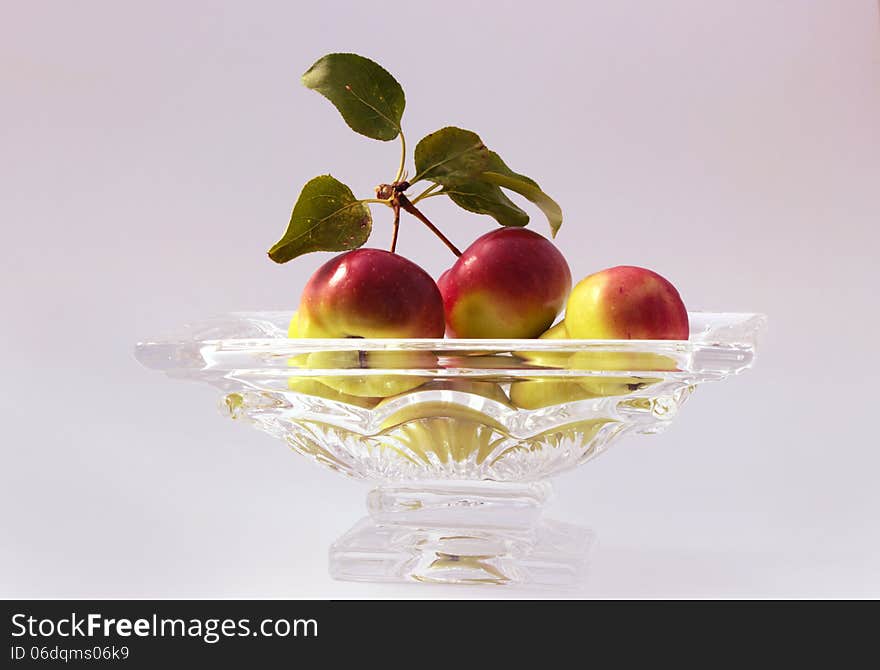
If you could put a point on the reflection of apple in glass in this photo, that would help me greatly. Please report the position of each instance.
(370, 385)
(313, 387)
(369, 293)
(510, 283)
(445, 408)
(538, 393)
(554, 359)
(445, 430)
(533, 394)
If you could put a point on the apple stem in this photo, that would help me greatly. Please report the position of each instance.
(412, 209)
(396, 207)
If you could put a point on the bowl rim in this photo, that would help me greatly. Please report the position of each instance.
(724, 342)
(732, 328)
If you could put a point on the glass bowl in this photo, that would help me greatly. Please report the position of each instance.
(458, 436)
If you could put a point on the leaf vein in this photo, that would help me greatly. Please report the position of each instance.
(393, 123)
(318, 222)
(422, 173)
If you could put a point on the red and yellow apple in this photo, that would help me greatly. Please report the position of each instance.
(626, 303)
(369, 293)
(623, 302)
(510, 283)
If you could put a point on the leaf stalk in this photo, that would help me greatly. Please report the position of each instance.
(400, 168)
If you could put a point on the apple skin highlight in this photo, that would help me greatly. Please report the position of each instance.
(626, 303)
(510, 283)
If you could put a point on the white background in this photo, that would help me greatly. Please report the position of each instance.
(150, 154)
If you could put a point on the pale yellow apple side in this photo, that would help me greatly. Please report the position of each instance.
(584, 316)
(488, 318)
(537, 393)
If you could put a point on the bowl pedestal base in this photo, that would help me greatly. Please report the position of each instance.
(461, 533)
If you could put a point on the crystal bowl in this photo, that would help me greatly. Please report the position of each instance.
(458, 436)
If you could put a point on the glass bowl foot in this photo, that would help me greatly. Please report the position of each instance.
(461, 533)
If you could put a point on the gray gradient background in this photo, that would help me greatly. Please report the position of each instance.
(150, 154)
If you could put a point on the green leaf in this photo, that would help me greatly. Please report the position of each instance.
(472, 176)
(368, 97)
(326, 217)
(451, 156)
(530, 190)
(485, 198)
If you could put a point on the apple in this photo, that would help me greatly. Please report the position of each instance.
(626, 303)
(369, 293)
(510, 283)
(537, 393)
(557, 332)
(551, 359)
